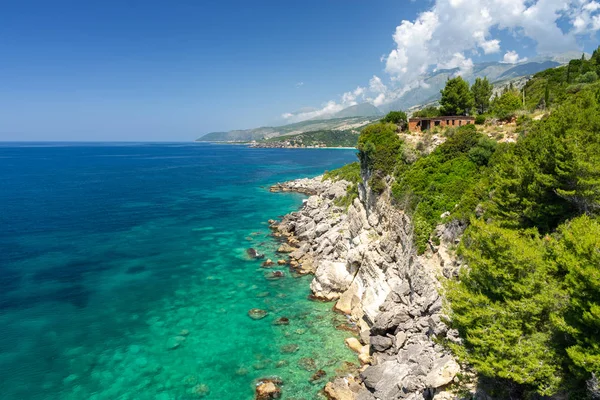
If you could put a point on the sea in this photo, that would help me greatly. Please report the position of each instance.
(124, 274)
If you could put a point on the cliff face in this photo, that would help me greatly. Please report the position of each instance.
(364, 259)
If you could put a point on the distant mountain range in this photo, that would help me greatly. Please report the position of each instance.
(496, 72)
(359, 115)
(359, 110)
(348, 123)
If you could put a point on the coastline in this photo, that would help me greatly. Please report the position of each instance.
(364, 261)
(249, 145)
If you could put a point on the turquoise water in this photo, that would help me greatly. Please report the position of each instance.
(124, 274)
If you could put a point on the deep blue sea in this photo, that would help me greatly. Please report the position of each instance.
(124, 274)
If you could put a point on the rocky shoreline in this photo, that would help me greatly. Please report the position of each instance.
(363, 258)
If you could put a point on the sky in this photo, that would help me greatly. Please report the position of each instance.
(123, 70)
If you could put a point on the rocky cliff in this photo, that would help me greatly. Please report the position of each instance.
(363, 258)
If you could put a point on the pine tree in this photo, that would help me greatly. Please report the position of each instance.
(502, 306)
(576, 251)
(482, 91)
(456, 99)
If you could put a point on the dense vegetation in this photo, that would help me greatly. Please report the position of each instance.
(528, 305)
(554, 85)
(482, 91)
(457, 98)
(427, 112)
(379, 151)
(395, 117)
(434, 184)
(327, 138)
(349, 172)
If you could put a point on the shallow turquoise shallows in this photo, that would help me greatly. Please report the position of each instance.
(124, 274)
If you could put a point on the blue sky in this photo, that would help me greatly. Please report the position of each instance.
(172, 70)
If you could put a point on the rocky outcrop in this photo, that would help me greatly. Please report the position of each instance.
(364, 259)
(304, 185)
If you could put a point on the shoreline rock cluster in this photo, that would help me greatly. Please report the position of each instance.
(284, 145)
(363, 258)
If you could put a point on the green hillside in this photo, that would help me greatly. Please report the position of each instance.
(553, 86)
(325, 138)
(527, 307)
(264, 133)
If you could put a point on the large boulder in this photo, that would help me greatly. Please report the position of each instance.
(341, 389)
(383, 379)
(285, 248)
(267, 389)
(331, 280)
(443, 372)
(381, 343)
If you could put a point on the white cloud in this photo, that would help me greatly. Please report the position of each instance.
(584, 19)
(459, 61)
(299, 84)
(512, 57)
(348, 99)
(592, 6)
(376, 85)
(450, 32)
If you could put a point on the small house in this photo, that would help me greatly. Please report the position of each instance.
(425, 124)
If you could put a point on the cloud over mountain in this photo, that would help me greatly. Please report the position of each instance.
(452, 32)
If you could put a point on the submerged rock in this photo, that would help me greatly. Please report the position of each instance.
(289, 348)
(275, 275)
(252, 253)
(282, 321)
(320, 374)
(257, 313)
(201, 390)
(307, 364)
(268, 263)
(174, 342)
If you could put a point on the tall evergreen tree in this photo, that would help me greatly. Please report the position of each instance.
(482, 91)
(576, 250)
(456, 99)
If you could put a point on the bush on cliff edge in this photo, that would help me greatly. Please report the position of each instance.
(379, 151)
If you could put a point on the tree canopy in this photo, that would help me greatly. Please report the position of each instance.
(427, 112)
(396, 117)
(456, 99)
(482, 91)
(527, 304)
(506, 106)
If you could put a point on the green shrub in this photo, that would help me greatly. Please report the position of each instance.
(427, 112)
(502, 307)
(396, 117)
(588, 77)
(348, 199)
(439, 181)
(380, 147)
(349, 172)
(480, 119)
(506, 106)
